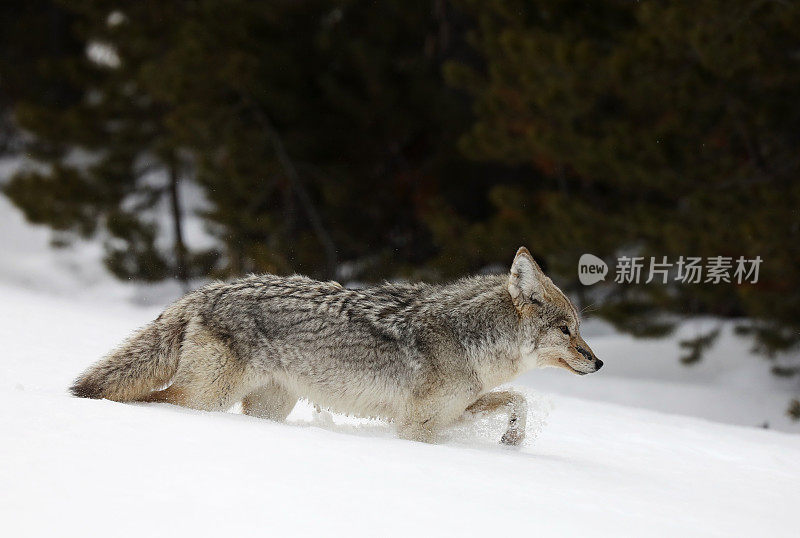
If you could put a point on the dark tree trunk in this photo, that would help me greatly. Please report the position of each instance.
(181, 272)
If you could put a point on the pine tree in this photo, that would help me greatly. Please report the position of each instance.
(101, 139)
(320, 129)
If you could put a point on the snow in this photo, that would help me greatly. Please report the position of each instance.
(607, 454)
(84, 467)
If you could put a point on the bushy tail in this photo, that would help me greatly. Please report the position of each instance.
(144, 362)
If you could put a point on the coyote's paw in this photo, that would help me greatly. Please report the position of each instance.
(512, 437)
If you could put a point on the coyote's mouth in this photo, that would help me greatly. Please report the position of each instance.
(566, 365)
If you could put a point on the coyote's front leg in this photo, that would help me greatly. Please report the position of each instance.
(514, 403)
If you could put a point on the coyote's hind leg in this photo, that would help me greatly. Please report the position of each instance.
(209, 377)
(516, 406)
(270, 401)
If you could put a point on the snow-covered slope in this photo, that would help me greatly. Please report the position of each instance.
(72, 467)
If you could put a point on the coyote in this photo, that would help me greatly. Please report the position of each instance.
(423, 356)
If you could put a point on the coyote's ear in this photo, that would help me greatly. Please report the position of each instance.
(526, 281)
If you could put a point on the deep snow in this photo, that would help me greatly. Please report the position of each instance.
(84, 468)
(72, 467)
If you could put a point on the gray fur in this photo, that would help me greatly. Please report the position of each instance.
(421, 355)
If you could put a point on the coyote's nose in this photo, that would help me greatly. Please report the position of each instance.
(598, 364)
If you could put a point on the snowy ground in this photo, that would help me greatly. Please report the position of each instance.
(87, 468)
(82, 467)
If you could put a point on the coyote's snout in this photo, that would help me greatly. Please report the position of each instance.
(423, 356)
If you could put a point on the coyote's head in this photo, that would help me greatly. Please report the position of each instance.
(549, 322)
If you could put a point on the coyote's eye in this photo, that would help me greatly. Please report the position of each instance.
(564, 329)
